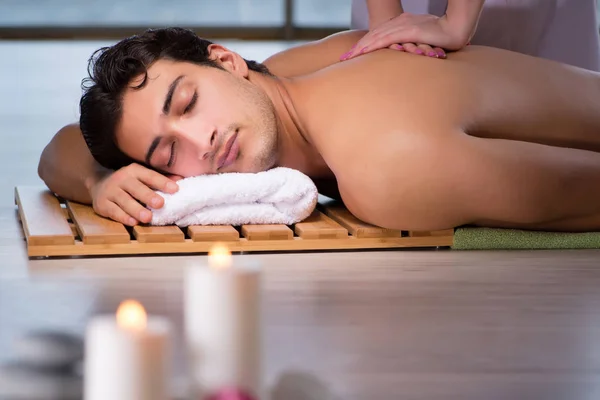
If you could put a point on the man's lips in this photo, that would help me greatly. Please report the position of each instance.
(228, 156)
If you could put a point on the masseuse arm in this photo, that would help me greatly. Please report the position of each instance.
(390, 27)
(381, 11)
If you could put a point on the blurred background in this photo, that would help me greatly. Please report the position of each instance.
(241, 19)
(245, 19)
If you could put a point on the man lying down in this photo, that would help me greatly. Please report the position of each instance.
(485, 137)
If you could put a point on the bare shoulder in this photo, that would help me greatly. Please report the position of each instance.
(312, 56)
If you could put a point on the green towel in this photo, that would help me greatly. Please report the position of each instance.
(470, 238)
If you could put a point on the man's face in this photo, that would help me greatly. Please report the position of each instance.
(192, 120)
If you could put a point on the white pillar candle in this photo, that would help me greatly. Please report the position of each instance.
(222, 325)
(127, 357)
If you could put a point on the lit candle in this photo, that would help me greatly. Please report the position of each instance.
(127, 357)
(222, 326)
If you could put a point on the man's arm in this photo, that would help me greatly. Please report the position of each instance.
(313, 56)
(69, 169)
(67, 166)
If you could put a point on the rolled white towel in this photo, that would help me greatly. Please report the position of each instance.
(277, 196)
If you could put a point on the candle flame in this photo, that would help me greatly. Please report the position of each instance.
(131, 315)
(219, 256)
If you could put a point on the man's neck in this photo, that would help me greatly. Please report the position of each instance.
(295, 149)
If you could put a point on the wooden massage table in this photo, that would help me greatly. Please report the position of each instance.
(54, 227)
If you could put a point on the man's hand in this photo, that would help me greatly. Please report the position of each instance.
(421, 34)
(122, 194)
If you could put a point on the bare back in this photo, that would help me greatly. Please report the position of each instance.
(481, 91)
(390, 111)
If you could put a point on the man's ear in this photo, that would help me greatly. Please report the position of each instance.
(228, 59)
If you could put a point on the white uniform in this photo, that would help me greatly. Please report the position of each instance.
(560, 30)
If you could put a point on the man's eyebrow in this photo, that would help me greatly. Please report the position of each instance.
(152, 148)
(167, 105)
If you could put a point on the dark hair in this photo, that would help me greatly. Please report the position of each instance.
(111, 69)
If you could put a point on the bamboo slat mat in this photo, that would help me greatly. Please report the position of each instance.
(54, 227)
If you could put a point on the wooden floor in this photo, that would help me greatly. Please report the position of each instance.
(353, 325)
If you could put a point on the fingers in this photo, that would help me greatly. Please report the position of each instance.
(423, 50)
(419, 49)
(370, 42)
(143, 193)
(379, 38)
(131, 206)
(116, 213)
(354, 50)
(345, 56)
(122, 207)
(124, 195)
(429, 51)
(396, 47)
(155, 180)
(426, 50)
(440, 52)
(424, 32)
(411, 48)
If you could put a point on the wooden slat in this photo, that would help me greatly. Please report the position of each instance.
(445, 232)
(158, 234)
(356, 227)
(104, 237)
(95, 229)
(213, 233)
(189, 246)
(320, 226)
(42, 218)
(267, 232)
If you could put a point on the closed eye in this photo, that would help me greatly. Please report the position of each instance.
(171, 156)
(192, 103)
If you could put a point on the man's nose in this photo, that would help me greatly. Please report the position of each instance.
(201, 136)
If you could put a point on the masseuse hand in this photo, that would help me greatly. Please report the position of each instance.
(403, 32)
(422, 34)
(118, 195)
